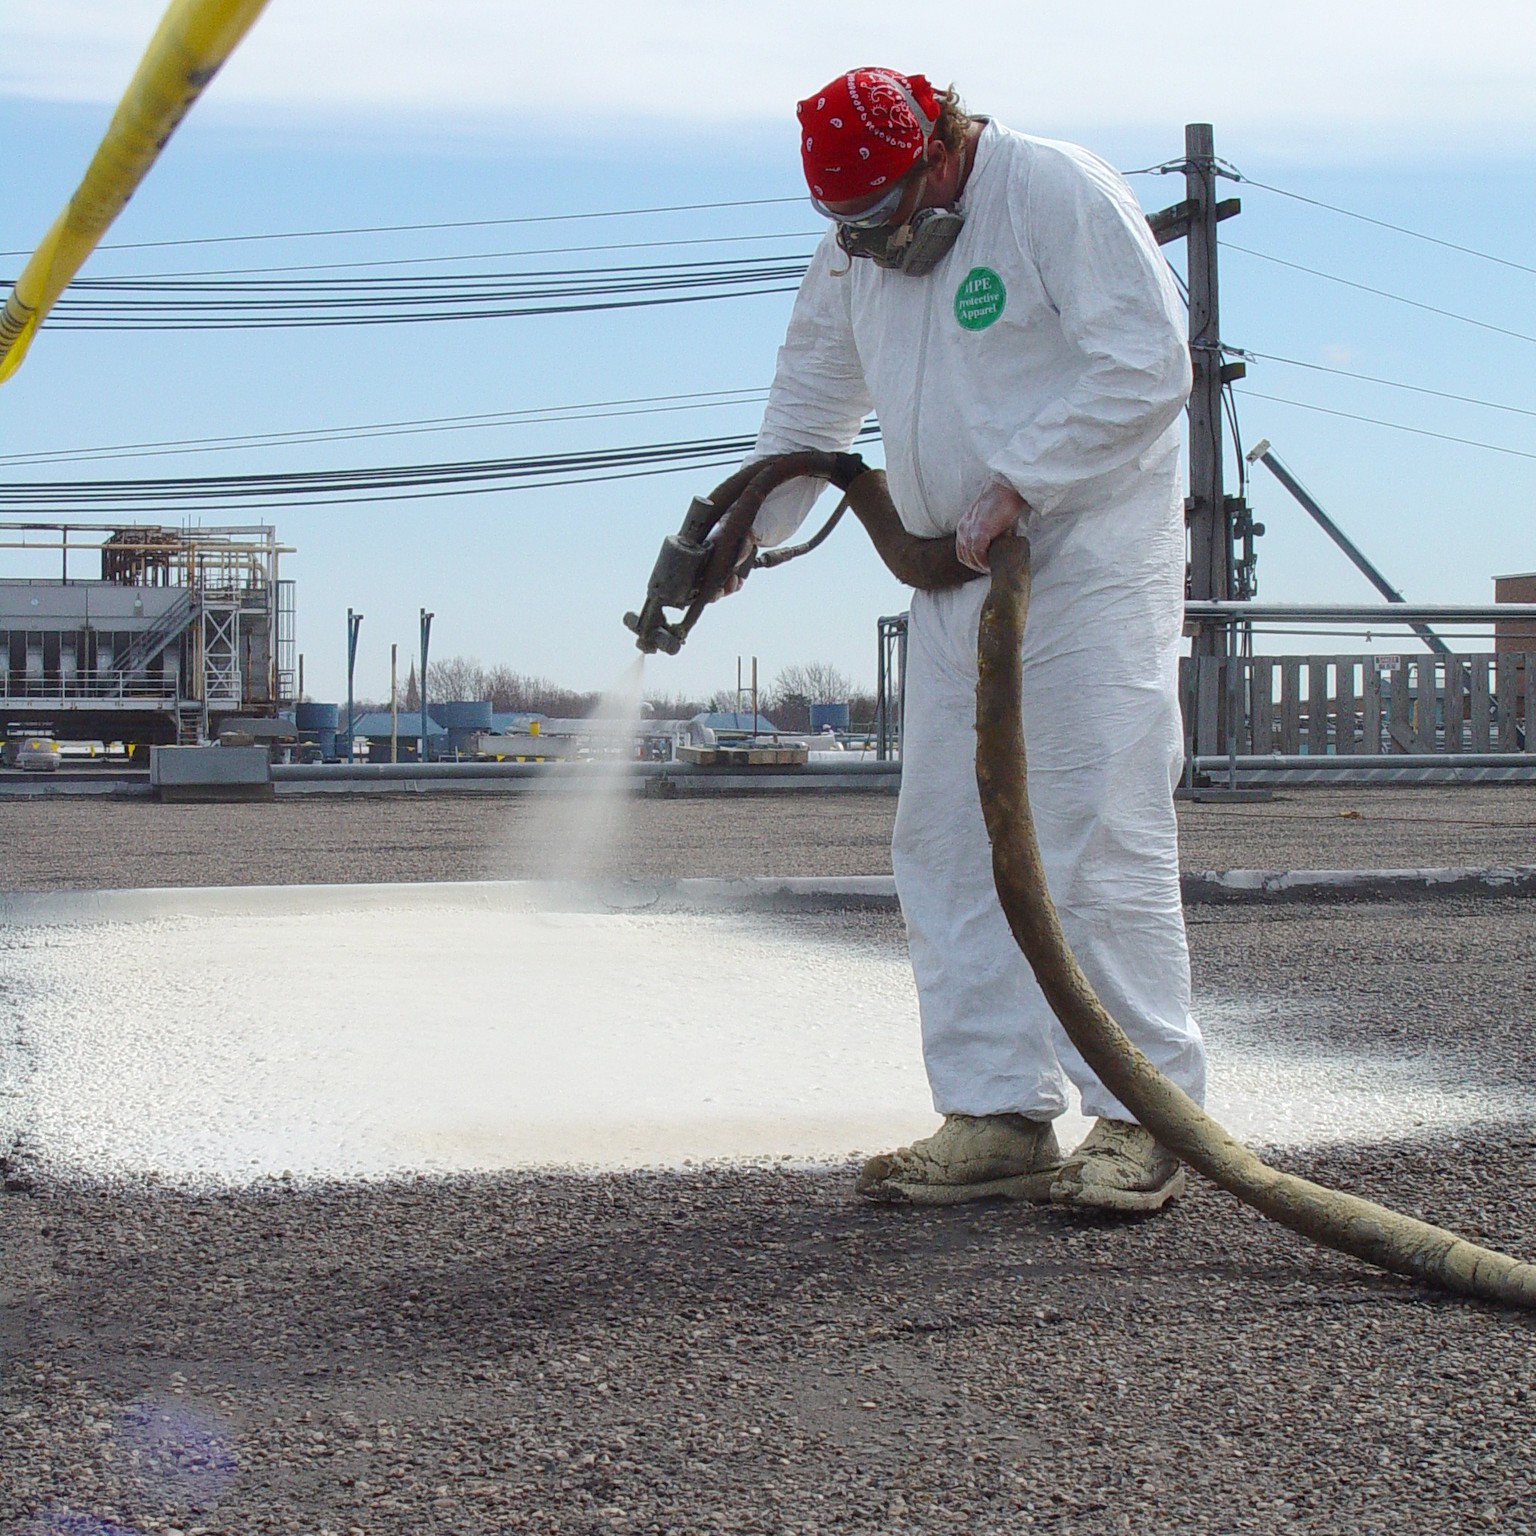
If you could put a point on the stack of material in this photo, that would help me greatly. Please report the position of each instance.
(752, 754)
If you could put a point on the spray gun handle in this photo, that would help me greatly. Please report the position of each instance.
(701, 518)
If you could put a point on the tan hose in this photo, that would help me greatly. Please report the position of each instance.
(1345, 1222)
(930, 564)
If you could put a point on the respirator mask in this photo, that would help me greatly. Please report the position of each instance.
(915, 246)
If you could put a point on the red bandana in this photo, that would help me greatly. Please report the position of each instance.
(861, 133)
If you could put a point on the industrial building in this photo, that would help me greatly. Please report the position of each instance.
(171, 632)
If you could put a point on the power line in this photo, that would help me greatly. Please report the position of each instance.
(1370, 378)
(1400, 229)
(1397, 298)
(1396, 426)
(453, 282)
(599, 410)
(424, 261)
(540, 218)
(397, 482)
(327, 487)
(395, 229)
(178, 304)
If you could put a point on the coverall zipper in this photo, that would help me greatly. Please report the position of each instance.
(917, 402)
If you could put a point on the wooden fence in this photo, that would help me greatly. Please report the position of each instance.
(1360, 704)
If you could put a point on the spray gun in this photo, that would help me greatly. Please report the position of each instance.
(676, 580)
(714, 543)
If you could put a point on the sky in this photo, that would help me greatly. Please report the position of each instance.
(367, 113)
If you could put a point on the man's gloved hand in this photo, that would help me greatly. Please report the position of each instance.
(846, 468)
(733, 582)
(994, 512)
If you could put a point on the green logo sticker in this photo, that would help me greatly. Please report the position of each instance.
(979, 299)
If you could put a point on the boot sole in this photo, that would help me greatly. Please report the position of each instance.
(1123, 1201)
(1034, 1187)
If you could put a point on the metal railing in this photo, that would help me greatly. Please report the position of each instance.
(1445, 712)
(148, 643)
(78, 688)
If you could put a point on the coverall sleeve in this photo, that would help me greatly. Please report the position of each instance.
(818, 398)
(1104, 275)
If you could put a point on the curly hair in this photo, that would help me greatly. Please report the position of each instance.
(949, 129)
(953, 121)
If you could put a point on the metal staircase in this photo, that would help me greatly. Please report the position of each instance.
(144, 647)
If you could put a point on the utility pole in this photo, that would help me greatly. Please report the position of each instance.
(394, 703)
(1212, 517)
(1210, 532)
(354, 623)
(426, 640)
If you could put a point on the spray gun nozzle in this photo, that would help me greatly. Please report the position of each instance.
(675, 580)
(652, 632)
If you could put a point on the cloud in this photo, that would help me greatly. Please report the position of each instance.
(1340, 75)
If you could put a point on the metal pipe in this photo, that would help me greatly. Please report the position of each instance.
(809, 773)
(1232, 705)
(1362, 613)
(1343, 761)
(1262, 453)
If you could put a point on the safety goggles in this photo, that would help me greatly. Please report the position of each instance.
(871, 218)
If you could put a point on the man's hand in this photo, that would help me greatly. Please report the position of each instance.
(733, 582)
(994, 512)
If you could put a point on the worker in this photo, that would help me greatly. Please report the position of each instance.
(999, 301)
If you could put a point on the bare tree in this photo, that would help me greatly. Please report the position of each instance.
(727, 701)
(520, 693)
(456, 678)
(817, 682)
(796, 688)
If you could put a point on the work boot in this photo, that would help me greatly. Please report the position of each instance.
(1119, 1167)
(969, 1157)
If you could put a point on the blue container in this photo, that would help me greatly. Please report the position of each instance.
(318, 723)
(463, 719)
(824, 715)
(316, 717)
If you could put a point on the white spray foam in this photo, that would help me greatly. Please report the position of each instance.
(368, 1040)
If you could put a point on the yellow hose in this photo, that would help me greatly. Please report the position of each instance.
(1345, 1222)
(193, 39)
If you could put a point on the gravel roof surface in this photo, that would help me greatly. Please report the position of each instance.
(746, 1348)
(1366, 827)
(89, 842)
(749, 1350)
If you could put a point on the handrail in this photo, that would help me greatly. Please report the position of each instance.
(96, 686)
(149, 643)
(1363, 613)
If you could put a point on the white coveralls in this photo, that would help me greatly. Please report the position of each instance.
(1045, 349)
